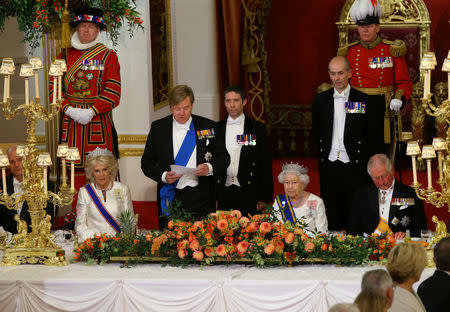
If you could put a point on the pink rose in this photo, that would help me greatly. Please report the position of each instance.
(198, 255)
(242, 246)
(269, 249)
(236, 213)
(265, 227)
(243, 222)
(222, 224)
(221, 250)
(213, 215)
(309, 247)
(289, 239)
(198, 223)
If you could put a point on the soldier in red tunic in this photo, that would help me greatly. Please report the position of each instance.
(379, 68)
(91, 90)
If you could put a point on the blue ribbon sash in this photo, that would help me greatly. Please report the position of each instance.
(167, 192)
(286, 208)
(108, 217)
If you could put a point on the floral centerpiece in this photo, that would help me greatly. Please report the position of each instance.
(231, 237)
(36, 17)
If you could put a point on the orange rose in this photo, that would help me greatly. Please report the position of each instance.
(181, 253)
(269, 249)
(265, 227)
(182, 244)
(170, 225)
(236, 213)
(194, 245)
(279, 246)
(221, 250)
(222, 224)
(243, 222)
(209, 251)
(309, 247)
(242, 246)
(323, 246)
(198, 223)
(289, 239)
(198, 255)
(252, 227)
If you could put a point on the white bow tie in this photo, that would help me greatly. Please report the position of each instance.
(233, 122)
(339, 96)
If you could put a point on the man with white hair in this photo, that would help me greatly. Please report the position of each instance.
(386, 205)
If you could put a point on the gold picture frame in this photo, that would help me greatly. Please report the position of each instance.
(161, 49)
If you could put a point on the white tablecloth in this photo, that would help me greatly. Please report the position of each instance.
(151, 287)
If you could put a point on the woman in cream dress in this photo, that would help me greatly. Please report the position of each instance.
(297, 203)
(101, 171)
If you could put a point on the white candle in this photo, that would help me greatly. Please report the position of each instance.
(4, 181)
(55, 88)
(64, 172)
(45, 180)
(8, 90)
(5, 89)
(59, 87)
(27, 92)
(430, 187)
(426, 89)
(448, 81)
(72, 176)
(36, 84)
(414, 170)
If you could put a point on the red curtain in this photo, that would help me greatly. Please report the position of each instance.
(229, 38)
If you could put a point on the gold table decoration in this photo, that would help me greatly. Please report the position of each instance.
(37, 246)
(440, 145)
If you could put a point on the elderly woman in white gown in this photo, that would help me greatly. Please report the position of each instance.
(296, 203)
(102, 200)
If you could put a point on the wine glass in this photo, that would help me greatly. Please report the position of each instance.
(425, 235)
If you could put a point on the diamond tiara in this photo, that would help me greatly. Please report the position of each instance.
(294, 168)
(99, 152)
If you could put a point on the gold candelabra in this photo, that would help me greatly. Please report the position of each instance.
(439, 146)
(37, 246)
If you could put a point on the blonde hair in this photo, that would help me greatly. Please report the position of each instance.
(406, 260)
(179, 93)
(105, 160)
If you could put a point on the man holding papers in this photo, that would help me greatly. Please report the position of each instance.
(186, 140)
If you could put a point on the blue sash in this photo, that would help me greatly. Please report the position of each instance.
(167, 192)
(286, 209)
(110, 219)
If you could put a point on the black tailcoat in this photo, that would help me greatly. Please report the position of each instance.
(255, 168)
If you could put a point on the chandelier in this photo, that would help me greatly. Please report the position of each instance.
(37, 246)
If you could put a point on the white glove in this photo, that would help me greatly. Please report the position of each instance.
(84, 116)
(396, 105)
(72, 112)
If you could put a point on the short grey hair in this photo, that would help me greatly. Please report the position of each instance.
(296, 169)
(106, 160)
(344, 307)
(377, 160)
(342, 58)
(376, 281)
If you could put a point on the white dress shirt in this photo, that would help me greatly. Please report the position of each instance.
(18, 188)
(338, 151)
(89, 219)
(386, 206)
(234, 127)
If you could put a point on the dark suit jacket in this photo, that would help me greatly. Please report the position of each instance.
(364, 216)
(255, 164)
(434, 292)
(158, 153)
(357, 136)
(7, 215)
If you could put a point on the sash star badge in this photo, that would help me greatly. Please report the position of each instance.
(208, 156)
(405, 221)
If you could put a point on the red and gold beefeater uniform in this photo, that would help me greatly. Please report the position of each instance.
(380, 69)
(92, 81)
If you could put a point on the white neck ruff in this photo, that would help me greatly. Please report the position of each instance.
(75, 41)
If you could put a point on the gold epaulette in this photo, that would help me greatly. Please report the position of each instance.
(398, 47)
(342, 51)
